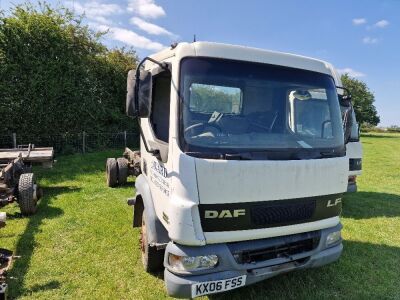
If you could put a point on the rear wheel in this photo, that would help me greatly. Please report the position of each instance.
(112, 172)
(122, 170)
(28, 194)
(152, 258)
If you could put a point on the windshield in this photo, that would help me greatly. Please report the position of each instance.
(233, 107)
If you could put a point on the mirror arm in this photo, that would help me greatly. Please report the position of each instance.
(344, 89)
(154, 152)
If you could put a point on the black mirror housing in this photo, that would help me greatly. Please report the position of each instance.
(345, 100)
(130, 94)
(347, 123)
(139, 94)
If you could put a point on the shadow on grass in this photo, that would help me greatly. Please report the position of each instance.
(50, 192)
(364, 271)
(364, 205)
(26, 245)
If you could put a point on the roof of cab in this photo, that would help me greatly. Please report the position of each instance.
(236, 52)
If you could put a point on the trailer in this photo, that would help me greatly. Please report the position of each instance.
(118, 169)
(17, 182)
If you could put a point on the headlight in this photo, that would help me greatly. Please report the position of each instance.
(333, 238)
(191, 263)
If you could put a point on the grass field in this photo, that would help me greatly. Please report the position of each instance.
(80, 244)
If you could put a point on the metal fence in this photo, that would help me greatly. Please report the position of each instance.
(68, 143)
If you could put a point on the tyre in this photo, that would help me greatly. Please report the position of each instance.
(27, 194)
(122, 170)
(112, 172)
(152, 258)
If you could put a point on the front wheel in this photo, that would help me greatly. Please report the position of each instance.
(152, 258)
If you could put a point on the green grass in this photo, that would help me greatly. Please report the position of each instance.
(80, 244)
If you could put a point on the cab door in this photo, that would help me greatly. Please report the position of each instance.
(156, 129)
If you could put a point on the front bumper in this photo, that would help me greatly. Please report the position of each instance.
(180, 285)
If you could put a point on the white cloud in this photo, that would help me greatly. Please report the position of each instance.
(351, 72)
(381, 24)
(146, 8)
(96, 11)
(369, 40)
(150, 28)
(359, 21)
(130, 38)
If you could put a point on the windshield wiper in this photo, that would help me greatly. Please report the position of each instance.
(211, 155)
(227, 156)
(239, 156)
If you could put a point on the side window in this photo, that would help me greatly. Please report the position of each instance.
(159, 117)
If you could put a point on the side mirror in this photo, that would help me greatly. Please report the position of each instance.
(345, 100)
(144, 93)
(130, 94)
(139, 93)
(344, 97)
(347, 123)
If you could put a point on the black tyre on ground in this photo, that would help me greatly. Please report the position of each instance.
(152, 258)
(122, 170)
(27, 193)
(112, 172)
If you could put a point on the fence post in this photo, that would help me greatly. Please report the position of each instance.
(14, 138)
(83, 142)
(125, 138)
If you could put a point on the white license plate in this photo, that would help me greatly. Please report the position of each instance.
(216, 286)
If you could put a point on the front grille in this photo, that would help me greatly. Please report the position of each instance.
(281, 251)
(277, 213)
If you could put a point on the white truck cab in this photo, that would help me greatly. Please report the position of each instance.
(243, 161)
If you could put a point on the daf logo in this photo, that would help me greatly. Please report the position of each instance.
(334, 202)
(226, 213)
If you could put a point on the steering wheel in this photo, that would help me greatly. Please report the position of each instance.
(202, 126)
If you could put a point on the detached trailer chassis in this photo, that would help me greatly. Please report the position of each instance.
(18, 184)
(118, 169)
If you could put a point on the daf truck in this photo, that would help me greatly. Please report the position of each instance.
(243, 164)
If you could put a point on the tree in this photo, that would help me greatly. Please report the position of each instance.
(56, 76)
(363, 100)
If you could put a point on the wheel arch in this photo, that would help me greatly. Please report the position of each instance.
(157, 233)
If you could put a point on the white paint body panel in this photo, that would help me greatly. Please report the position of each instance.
(236, 181)
(225, 51)
(354, 150)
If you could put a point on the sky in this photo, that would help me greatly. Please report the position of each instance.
(361, 38)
